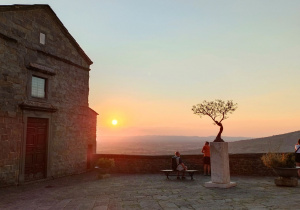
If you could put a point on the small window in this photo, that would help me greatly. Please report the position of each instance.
(42, 38)
(38, 87)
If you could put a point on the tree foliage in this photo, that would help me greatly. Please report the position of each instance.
(217, 110)
(274, 160)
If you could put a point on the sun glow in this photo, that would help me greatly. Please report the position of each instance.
(114, 122)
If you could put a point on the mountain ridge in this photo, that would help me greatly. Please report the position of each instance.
(280, 143)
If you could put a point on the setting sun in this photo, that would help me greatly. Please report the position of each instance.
(114, 122)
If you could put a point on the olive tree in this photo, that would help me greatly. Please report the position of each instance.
(217, 110)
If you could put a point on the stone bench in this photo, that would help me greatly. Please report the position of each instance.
(169, 172)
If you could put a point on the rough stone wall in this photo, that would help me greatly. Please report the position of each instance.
(248, 164)
(240, 164)
(91, 126)
(12, 92)
(69, 146)
(10, 141)
(26, 25)
(73, 124)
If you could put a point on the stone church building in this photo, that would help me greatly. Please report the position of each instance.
(47, 129)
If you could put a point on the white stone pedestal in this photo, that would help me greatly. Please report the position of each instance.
(219, 162)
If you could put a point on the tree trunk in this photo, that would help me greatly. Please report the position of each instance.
(218, 138)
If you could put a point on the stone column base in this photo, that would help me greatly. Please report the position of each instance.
(288, 182)
(220, 174)
(219, 185)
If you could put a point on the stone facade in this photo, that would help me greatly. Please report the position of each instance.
(34, 43)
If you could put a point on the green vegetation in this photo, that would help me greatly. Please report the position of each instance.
(105, 163)
(217, 110)
(277, 160)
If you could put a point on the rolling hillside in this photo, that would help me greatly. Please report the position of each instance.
(164, 145)
(154, 145)
(277, 143)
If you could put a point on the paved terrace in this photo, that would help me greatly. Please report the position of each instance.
(150, 191)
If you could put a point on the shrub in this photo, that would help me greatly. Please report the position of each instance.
(105, 163)
(274, 160)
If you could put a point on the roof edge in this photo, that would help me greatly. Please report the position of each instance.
(93, 111)
(64, 29)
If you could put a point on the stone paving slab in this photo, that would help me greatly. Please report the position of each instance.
(148, 191)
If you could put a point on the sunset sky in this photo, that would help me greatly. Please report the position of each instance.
(155, 59)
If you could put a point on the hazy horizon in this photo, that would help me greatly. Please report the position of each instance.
(154, 144)
(166, 145)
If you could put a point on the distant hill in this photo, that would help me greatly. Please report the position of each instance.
(167, 145)
(277, 143)
(154, 145)
(155, 138)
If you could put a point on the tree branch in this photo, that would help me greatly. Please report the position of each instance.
(215, 109)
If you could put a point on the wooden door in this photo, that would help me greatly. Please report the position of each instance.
(36, 149)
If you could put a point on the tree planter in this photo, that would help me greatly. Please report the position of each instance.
(287, 177)
(283, 165)
(103, 166)
(286, 172)
(102, 172)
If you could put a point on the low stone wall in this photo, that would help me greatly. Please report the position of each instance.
(240, 164)
(248, 165)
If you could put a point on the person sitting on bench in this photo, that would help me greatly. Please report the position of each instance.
(178, 165)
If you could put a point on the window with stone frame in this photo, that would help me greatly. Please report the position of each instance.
(42, 38)
(38, 87)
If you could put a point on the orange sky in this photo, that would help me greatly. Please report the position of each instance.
(154, 60)
(159, 59)
(136, 117)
